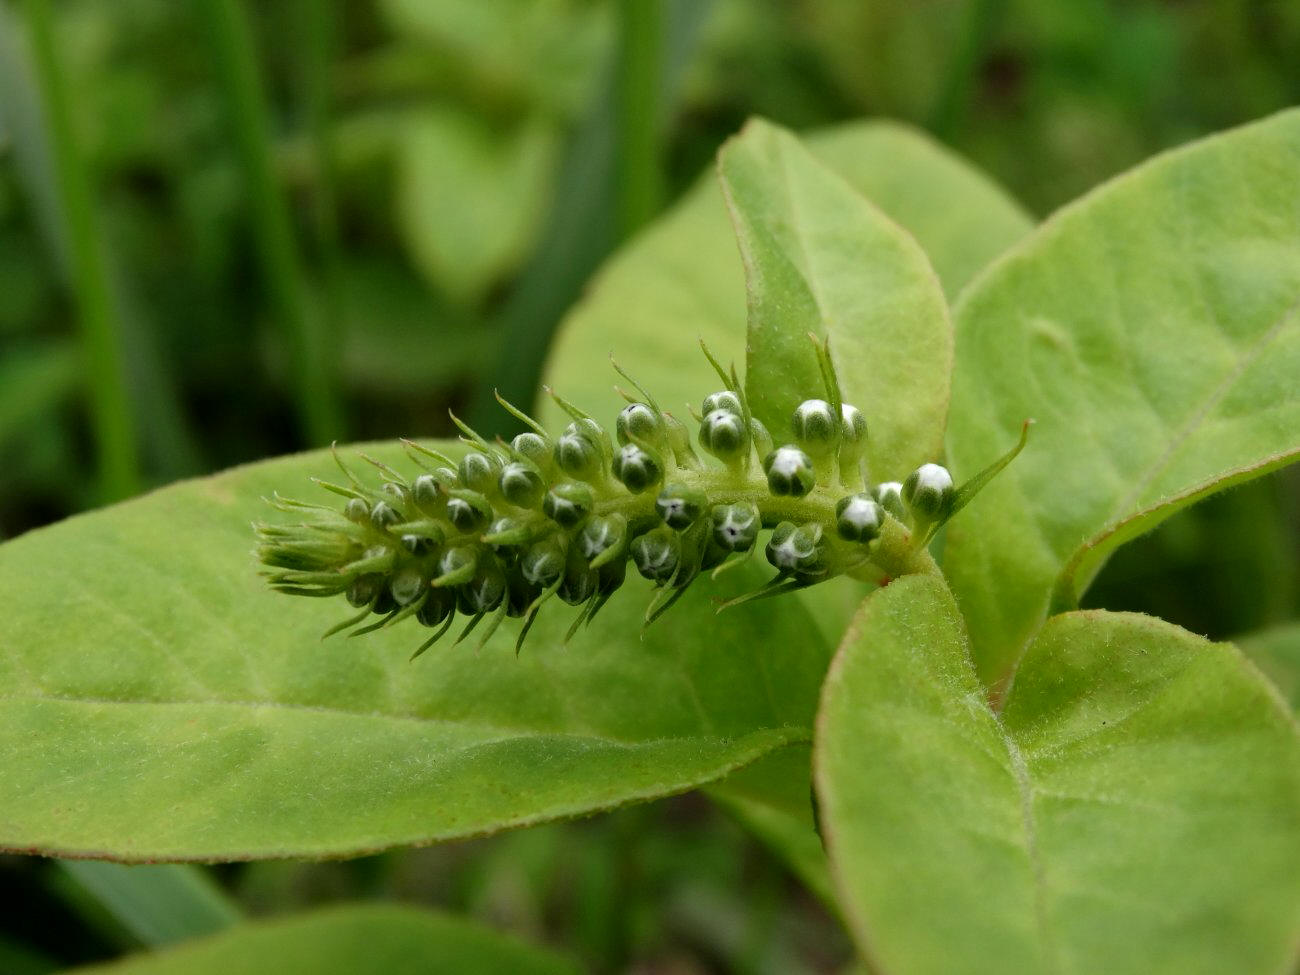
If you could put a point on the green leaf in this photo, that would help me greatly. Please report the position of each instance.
(819, 258)
(682, 279)
(773, 798)
(157, 903)
(471, 196)
(1276, 651)
(1133, 808)
(1153, 331)
(160, 702)
(352, 940)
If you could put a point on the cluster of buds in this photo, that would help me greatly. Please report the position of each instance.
(510, 525)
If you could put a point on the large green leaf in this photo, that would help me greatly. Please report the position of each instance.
(682, 279)
(160, 703)
(820, 258)
(1134, 808)
(1153, 330)
(352, 940)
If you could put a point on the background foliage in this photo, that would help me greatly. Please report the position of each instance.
(305, 221)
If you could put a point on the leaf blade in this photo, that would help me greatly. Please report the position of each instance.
(1139, 782)
(1152, 330)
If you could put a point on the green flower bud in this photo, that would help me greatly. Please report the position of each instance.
(816, 427)
(457, 559)
(789, 472)
(579, 581)
(468, 511)
(928, 493)
(735, 526)
(406, 585)
(642, 425)
(418, 545)
(544, 562)
(357, 511)
(521, 484)
(889, 495)
(485, 591)
(657, 553)
(600, 533)
(427, 494)
(723, 434)
(858, 518)
(534, 447)
(637, 468)
(364, 589)
(383, 515)
(507, 534)
(578, 454)
(853, 426)
(568, 503)
(479, 472)
(797, 548)
(435, 609)
(724, 400)
(384, 602)
(680, 506)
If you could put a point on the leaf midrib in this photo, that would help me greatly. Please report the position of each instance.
(795, 733)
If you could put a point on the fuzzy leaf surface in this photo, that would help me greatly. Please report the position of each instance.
(1153, 331)
(352, 940)
(1133, 809)
(160, 702)
(820, 258)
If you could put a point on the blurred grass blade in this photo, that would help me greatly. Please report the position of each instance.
(640, 93)
(111, 418)
(34, 380)
(157, 903)
(229, 36)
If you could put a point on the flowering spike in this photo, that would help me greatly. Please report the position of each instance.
(498, 530)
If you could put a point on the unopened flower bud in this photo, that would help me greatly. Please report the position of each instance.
(568, 503)
(521, 484)
(484, 591)
(680, 506)
(468, 511)
(427, 494)
(816, 428)
(601, 533)
(735, 526)
(357, 510)
(723, 434)
(641, 424)
(928, 493)
(578, 454)
(889, 495)
(383, 515)
(544, 561)
(479, 472)
(637, 468)
(406, 585)
(437, 606)
(533, 446)
(789, 472)
(796, 548)
(724, 400)
(858, 518)
(657, 553)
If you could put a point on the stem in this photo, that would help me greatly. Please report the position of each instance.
(101, 335)
(230, 38)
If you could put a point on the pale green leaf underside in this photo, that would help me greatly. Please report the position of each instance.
(1276, 651)
(819, 258)
(1153, 331)
(682, 278)
(355, 940)
(1133, 810)
(159, 702)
